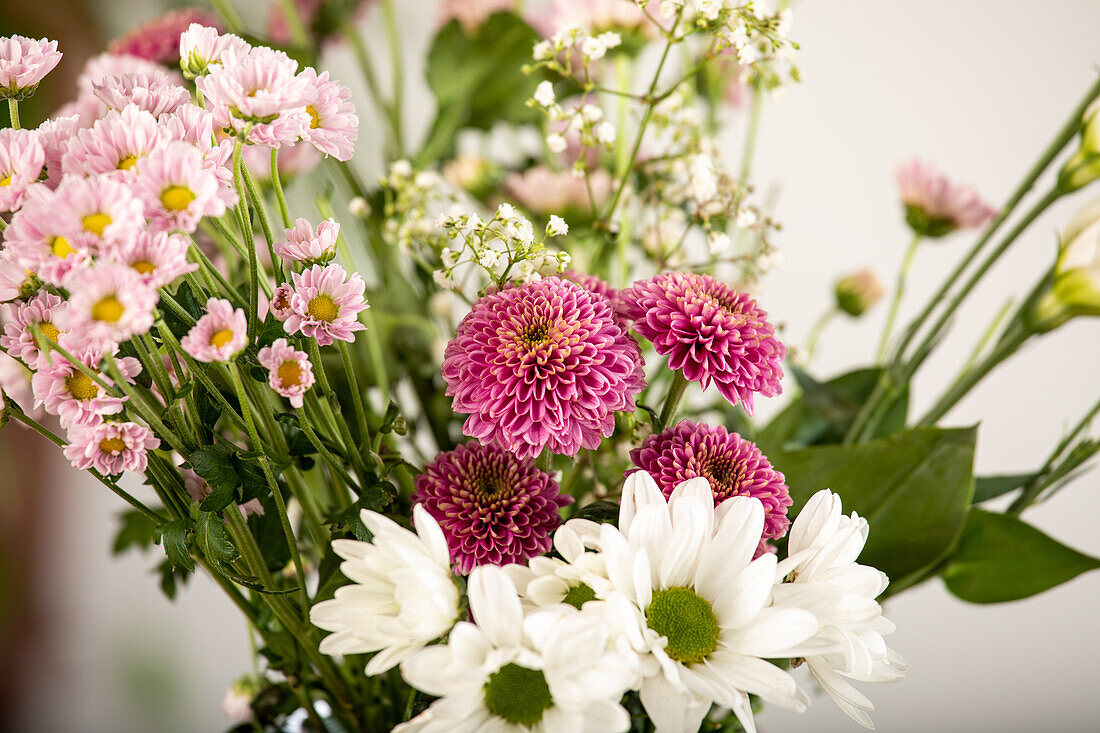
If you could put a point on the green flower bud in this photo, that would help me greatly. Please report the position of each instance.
(857, 292)
(1075, 286)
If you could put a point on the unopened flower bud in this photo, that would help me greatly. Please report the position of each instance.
(857, 292)
(1075, 286)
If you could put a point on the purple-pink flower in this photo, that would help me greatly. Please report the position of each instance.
(66, 391)
(493, 508)
(934, 205)
(333, 125)
(110, 447)
(40, 311)
(325, 304)
(290, 373)
(21, 161)
(110, 303)
(23, 63)
(303, 244)
(709, 331)
(159, 39)
(219, 335)
(542, 366)
(732, 465)
(177, 188)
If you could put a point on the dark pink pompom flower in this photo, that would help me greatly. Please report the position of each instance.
(732, 465)
(709, 331)
(494, 508)
(542, 365)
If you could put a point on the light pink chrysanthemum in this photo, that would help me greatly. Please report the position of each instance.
(303, 244)
(156, 94)
(72, 395)
(731, 465)
(333, 125)
(192, 124)
(470, 14)
(110, 303)
(44, 238)
(114, 144)
(110, 447)
(40, 310)
(934, 205)
(159, 39)
(290, 373)
(177, 188)
(709, 331)
(21, 161)
(219, 335)
(493, 508)
(54, 135)
(280, 302)
(325, 304)
(87, 106)
(23, 63)
(201, 46)
(543, 191)
(542, 366)
(157, 257)
(106, 211)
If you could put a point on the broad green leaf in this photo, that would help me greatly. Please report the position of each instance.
(990, 487)
(213, 539)
(135, 529)
(1001, 558)
(913, 488)
(214, 464)
(174, 538)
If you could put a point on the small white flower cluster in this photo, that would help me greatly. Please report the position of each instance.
(566, 47)
(584, 120)
(413, 199)
(505, 247)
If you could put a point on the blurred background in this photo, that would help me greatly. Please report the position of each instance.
(89, 644)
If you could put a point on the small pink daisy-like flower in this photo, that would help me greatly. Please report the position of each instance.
(219, 335)
(72, 395)
(157, 94)
(110, 303)
(114, 144)
(709, 331)
(16, 281)
(732, 465)
(110, 447)
(303, 244)
(157, 257)
(201, 46)
(280, 302)
(493, 508)
(542, 366)
(21, 161)
(17, 338)
(325, 304)
(289, 372)
(23, 63)
(178, 189)
(106, 211)
(87, 106)
(333, 125)
(935, 206)
(159, 39)
(55, 135)
(44, 238)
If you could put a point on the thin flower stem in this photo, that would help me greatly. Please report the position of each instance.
(815, 332)
(51, 345)
(327, 396)
(213, 273)
(294, 22)
(277, 184)
(326, 454)
(398, 71)
(1032, 490)
(244, 222)
(265, 225)
(196, 370)
(672, 398)
(229, 14)
(895, 304)
(990, 331)
(356, 393)
(13, 112)
(137, 404)
(748, 154)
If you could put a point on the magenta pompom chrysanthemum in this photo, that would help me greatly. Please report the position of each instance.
(542, 365)
(709, 331)
(494, 508)
(732, 465)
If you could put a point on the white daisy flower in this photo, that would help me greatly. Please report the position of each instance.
(402, 595)
(576, 578)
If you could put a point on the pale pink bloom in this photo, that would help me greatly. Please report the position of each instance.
(21, 161)
(87, 106)
(543, 191)
(159, 39)
(16, 281)
(110, 447)
(202, 46)
(198, 489)
(44, 238)
(935, 205)
(110, 303)
(219, 335)
(23, 63)
(105, 210)
(294, 160)
(596, 16)
(303, 244)
(290, 373)
(178, 190)
(280, 302)
(333, 125)
(158, 257)
(155, 94)
(15, 383)
(41, 310)
(192, 124)
(470, 14)
(75, 397)
(325, 304)
(55, 135)
(113, 144)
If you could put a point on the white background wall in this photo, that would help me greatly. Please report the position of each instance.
(977, 87)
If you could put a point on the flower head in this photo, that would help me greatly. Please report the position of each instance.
(114, 144)
(55, 134)
(325, 304)
(201, 46)
(280, 302)
(934, 205)
(289, 372)
(857, 292)
(219, 335)
(21, 161)
(303, 244)
(157, 93)
(494, 508)
(543, 365)
(159, 39)
(110, 303)
(17, 338)
(333, 125)
(157, 257)
(102, 212)
(178, 188)
(23, 63)
(110, 447)
(543, 191)
(709, 331)
(44, 238)
(66, 391)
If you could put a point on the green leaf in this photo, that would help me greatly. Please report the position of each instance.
(213, 539)
(990, 487)
(214, 464)
(170, 576)
(603, 512)
(1001, 558)
(174, 538)
(913, 488)
(135, 529)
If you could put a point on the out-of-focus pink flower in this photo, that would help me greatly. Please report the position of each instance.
(66, 391)
(110, 447)
(55, 135)
(177, 188)
(934, 205)
(40, 311)
(113, 144)
(219, 335)
(159, 39)
(157, 257)
(88, 107)
(470, 14)
(23, 63)
(290, 373)
(156, 94)
(21, 161)
(325, 304)
(333, 125)
(15, 385)
(543, 191)
(303, 244)
(110, 303)
(596, 16)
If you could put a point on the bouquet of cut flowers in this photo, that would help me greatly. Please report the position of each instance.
(469, 443)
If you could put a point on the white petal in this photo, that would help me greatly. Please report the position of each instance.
(670, 708)
(773, 631)
(639, 489)
(431, 536)
(495, 605)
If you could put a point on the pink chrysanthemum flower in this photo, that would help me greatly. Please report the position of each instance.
(23, 63)
(156, 94)
(325, 304)
(114, 144)
(40, 310)
(595, 15)
(44, 238)
(709, 331)
(178, 189)
(494, 508)
(110, 303)
(280, 302)
(470, 14)
(55, 135)
(21, 161)
(732, 465)
(110, 447)
(542, 366)
(544, 191)
(157, 257)
(106, 211)
(303, 244)
(87, 106)
(192, 124)
(219, 335)
(333, 125)
(934, 205)
(72, 395)
(159, 39)
(593, 283)
(290, 373)
(16, 281)
(201, 46)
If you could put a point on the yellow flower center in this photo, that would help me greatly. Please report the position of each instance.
(6, 181)
(127, 163)
(96, 223)
(290, 374)
(221, 338)
(61, 247)
(109, 310)
(144, 266)
(81, 386)
(314, 122)
(323, 308)
(176, 198)
(112, 445)
(50, 331)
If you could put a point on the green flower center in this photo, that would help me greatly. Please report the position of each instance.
(578, 595)
(687, 620)
(517, 694)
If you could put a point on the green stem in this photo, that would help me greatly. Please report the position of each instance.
(899, 290)
(137, 404)
(196, 370)
(748, 154)
(326, 454)
(990, 331)
(398, 90)
(327, 396)
(13, 112)
(356, 393)
(229, 14)
(216, 276)
(672, 398)
(265, 225)
(294, 23)
(277, 184)
(244, 222)
(542, 461)
(815, 332)
(1032, 490)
